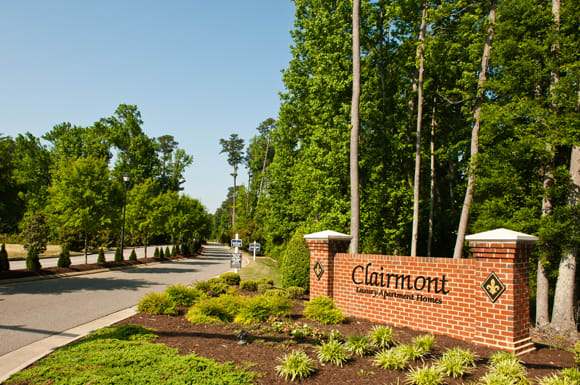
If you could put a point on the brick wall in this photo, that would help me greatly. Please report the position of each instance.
(436, 295)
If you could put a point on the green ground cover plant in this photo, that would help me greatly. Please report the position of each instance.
(323, 309)
(125, 355)
(295, 366)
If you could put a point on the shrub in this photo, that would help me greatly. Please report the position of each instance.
(183, 296)
(133, 256)
(185, 250)
(324, 310)
(392, 359)
(295, 263)
(276, 293)
(457, 362)
(577, 353)
(266, 281)
(118, 255)
(295, 292)
(427, 375)
(334, 352)
(263, 287)
(156, 253)
(178, 249)
(157, 303)
(568, 376)
(161, 254)
(220, 309)
(64, 258)
(167, 252)
(101, 257)
(231, 278)
(260, 308)
(295, 365)
(174, 251)
(4, 264)
(249, 285)
(32, 261)
(506, 367)
(382, 336)
(359, 344)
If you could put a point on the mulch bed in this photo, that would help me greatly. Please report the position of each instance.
(219, 342)
(52, 271)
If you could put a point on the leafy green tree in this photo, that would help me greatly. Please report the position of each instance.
(295, 266)
(10, 205)
(234, 147)
(4, 263)
(140, 220)
(35, 232)
(79, 198)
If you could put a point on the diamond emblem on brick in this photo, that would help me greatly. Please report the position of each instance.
(318, 270)
(493, 287)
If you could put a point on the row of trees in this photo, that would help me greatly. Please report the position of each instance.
(71, 186)
(496, 84)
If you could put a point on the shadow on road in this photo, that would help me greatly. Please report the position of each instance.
(70, 285)
(21, 328)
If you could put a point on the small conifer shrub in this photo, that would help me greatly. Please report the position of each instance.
(133, 256)
(161, 253)
(156, 253)
(101, 257)
(4, 264)
(174, 251)
(167, 252)
(118, 255)
(64, 257)
(32, 261)
(185, 250)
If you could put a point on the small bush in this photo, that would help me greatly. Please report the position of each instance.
(334, 352)
(295, 365)
(183, 295)
(231, 278)
(382, 336)
(427, 375)
(157, 303)
(64, 258)
(161, 254)
(504, 365)
(249, 285)
(359, 344)
(263, 287)
(133, 256)
(457, 362)
(101, 257)
(322, 309)
(295, 292)
(260, 308)
(413, 352)
(295, 263)
(577, 353)
(185, 250)
(568, 376)
(424, 343)
(392, 359)
(4, 263)
(156, 253)
(118, 255)
(174, 251)
(167, 252)
(32, 261)
(220, 309)
(276, 293)
(265, 280)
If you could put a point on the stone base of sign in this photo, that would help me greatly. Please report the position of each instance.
(483, 300)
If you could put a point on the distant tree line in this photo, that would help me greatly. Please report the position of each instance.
(70, 185)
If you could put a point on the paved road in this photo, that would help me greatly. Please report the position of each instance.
(91, 258)
(32, 311)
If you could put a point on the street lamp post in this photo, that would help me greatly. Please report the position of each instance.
(125, 180)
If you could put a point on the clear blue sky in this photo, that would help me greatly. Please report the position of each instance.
(197, 70)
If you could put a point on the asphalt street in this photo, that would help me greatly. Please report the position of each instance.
(35, 310)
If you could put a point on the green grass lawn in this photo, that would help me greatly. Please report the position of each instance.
(126, 355)
(262, 267)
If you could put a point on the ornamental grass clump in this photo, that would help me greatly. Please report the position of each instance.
(427, 375)
(183, 295)
(157, 303)
(392, 359)
(295, 366)
(323, 309)
(568, 376)
(382, 336)
(457, 362)
(359, 344)
(333, 351)
(577, 353)
(505, 368)
(424, 342)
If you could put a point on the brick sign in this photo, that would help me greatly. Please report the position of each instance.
(483, 300)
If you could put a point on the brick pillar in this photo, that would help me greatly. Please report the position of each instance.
(323, 246)
(502, 318)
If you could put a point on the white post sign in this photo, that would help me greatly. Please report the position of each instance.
(254, 247)
(236, 261)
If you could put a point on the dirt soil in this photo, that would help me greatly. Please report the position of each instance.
(261, 354)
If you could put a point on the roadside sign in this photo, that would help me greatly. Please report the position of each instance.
(236, 243)
(236, 261)
(254, 247)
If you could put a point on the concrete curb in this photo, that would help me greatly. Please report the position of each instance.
(19, 359)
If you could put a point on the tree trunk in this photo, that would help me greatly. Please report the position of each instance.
(432, 177)
(263, 171)
(354, 112)
(235, 174)
(464, 219)
(417, 179)
(146, 242)
(563, 313)
(86, 247)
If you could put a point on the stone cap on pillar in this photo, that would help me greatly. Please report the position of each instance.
(328, 235)
(502, 235)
